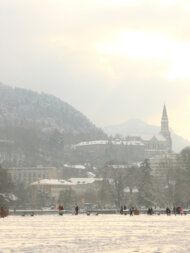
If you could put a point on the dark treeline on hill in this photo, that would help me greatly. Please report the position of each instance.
(34, 128)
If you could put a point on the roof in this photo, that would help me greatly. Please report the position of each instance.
(105, 142)
(81, 167)
(148, 137)
(71, 181)
(91, 174)
(52, 182)
(37, 168)
(84, 180)
(87, 143)
(124, 166)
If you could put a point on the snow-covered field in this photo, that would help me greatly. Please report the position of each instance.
(102, 233)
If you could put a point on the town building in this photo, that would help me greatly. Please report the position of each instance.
(27, 175)
(163, 166)
(53, 187)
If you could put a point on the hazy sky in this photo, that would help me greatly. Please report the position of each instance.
(111, 59)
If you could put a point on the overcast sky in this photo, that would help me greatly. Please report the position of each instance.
(111, 59)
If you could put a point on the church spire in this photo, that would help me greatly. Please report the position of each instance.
(164, 114)
(164, 121)
(165, 129)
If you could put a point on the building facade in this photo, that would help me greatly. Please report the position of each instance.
(27, 175)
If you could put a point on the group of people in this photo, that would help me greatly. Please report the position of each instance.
(75, 210)
(176, 210)
(150, 211)
(123, 210)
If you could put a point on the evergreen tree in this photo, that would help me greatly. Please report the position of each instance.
(6, 186)
(146, 187)
(183, 179)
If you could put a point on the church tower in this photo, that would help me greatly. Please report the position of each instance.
(165, 129)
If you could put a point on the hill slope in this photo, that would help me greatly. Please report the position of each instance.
(35, 128)
(25, 108)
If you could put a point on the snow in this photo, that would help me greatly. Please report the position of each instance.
(52, 182)
(71, 181)
(106, 142)
(87, 143)
(102, 233)
(80, 167)
(148, 137)
(84, 180)
(124, 166)
(91, 174)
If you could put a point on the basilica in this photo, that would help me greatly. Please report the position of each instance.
(126, 149)
(158, 143)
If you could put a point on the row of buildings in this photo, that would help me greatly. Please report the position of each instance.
(131, 151)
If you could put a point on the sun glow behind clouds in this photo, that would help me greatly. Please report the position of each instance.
(167, 2)
(155, 46)
(118, 2)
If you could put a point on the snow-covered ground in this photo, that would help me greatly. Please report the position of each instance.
(102, 233)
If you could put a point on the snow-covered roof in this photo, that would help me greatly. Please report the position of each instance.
(71, 181)
(87, 143)
(91, 174)
(84, 180)
(52, 182)
(38, 168)
(127, 189)
(123, 166)
(118, 166)
(148, 137)
(128, 143)
(81, 167)
(114, 142)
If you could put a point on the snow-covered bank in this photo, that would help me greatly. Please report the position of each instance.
(102, 233)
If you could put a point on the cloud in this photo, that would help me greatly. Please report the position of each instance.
(111, 60)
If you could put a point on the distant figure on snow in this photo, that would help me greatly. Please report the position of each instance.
(150, 211)
(60, 209)
(76, 209)
(174, 210)
(168, 211)
(131, 210)
(121, 210)
(3, 212)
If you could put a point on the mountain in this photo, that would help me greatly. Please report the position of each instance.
(25, 108)
(35, 128)
(139, 127)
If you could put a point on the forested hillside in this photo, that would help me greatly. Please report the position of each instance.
(35, 128)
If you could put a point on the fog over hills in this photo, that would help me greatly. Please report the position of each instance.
(40, 128)
(35, 128)
(139, 127)
(25, 108)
